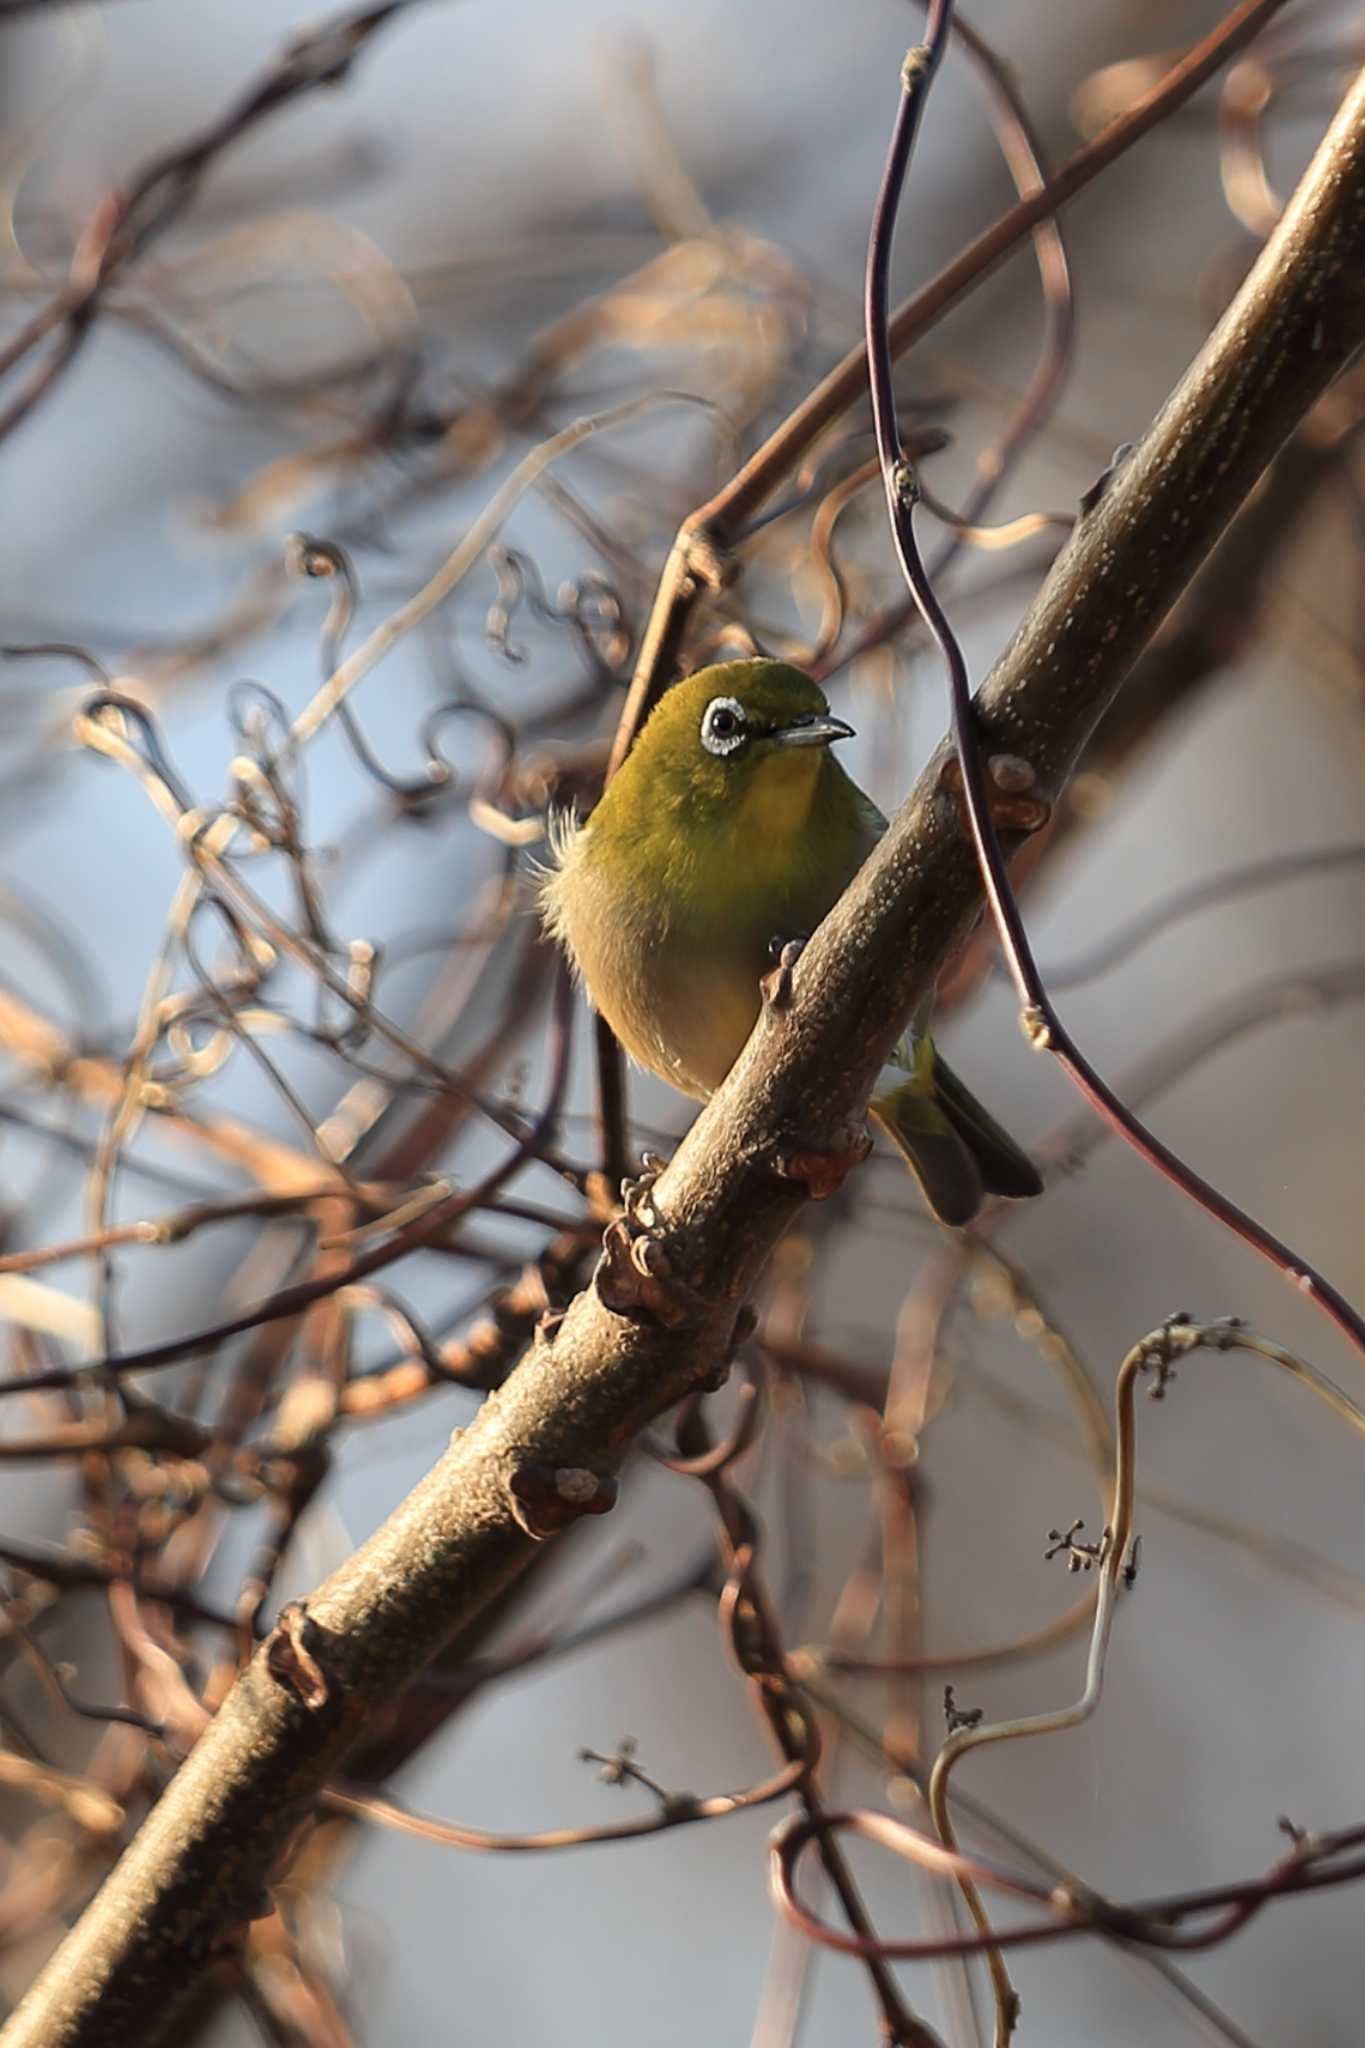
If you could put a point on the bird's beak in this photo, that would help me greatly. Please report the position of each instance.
(813, 732)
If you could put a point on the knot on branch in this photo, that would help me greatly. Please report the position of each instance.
(823, 1169)
(1090, 497)
(1036, 1027)
(709, 564)
(904, 483)
(776, 985)
(306, 555)
(1012, 796)
(1158, 1352)
(919, 60)
(290, 1652)
(547, 1498)
(548, 1324)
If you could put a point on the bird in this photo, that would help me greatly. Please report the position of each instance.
(727, 832)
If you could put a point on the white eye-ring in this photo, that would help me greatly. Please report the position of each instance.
(723, 726)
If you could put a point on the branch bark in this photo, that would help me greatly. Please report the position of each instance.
(549, 1439)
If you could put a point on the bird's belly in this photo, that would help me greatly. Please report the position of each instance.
(703, 1003)
(680, 1005)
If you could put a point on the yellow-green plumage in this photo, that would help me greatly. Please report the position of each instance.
(731, 827)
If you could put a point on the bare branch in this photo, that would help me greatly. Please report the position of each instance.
(667, 1303)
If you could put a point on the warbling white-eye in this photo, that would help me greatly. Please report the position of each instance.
(729, 829)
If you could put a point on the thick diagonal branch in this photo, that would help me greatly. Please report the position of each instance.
(200, 1864)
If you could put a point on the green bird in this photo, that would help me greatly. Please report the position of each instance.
(730, 829)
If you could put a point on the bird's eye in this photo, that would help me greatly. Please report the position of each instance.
(723, 727)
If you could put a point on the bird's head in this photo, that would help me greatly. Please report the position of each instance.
(739, 734)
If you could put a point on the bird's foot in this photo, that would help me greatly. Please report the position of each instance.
(635, 1194)
(1012, 797)
(776, 984)
(635, 1276)
(823, 1169)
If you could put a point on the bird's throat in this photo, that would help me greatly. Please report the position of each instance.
(776, 804)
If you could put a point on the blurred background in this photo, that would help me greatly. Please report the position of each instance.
(367, 324)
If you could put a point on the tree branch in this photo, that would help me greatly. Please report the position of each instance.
(661, 1315)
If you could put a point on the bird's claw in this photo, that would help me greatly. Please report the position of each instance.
(1013, 804)
(634, 1275)
(635, 1194)
(635, 1278)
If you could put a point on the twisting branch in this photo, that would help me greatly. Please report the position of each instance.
(702, 560)
(667, 1302)
(699, 561)
(1314, 1862)
(1023, 157)
(320, 56)
(1220, 1911)
(1264, 327)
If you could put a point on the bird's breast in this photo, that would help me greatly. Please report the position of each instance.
(670, 920)
(680, 990)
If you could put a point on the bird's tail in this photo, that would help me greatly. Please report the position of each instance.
(956, 1150)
